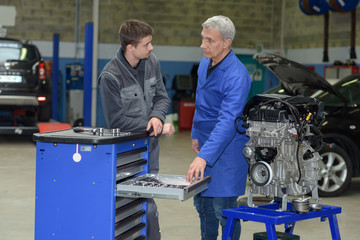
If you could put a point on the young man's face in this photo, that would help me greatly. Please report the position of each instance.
(143, 49)
(213, 44)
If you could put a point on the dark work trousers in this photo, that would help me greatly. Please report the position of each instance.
(152, 220)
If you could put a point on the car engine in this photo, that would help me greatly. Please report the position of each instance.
(285, 136)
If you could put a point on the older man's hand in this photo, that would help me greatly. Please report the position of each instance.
(197, 167)
(195, 145)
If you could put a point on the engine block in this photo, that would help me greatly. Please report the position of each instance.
(284, 140)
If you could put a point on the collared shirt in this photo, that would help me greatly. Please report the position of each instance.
(212, 68)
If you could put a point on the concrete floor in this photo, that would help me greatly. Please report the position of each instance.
(178, 220)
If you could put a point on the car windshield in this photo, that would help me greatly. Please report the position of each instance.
(15, 51)
(350, 89)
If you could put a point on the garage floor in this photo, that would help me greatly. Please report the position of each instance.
(178, 220)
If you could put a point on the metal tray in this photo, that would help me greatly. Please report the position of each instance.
(161, 186)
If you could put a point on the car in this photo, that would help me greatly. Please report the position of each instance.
(340, 130)
(25, 85)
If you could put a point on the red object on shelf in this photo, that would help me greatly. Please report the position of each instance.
(311, 67)
(186, 115)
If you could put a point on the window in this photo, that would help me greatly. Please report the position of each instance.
(15, 51)
(7, 53)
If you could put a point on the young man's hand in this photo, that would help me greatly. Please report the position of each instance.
(168, 129)
(157, 126)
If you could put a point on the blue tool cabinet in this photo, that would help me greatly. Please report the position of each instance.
(76, 177)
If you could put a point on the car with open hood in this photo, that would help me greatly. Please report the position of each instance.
(341, 127)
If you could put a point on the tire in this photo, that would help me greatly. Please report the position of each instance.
(336, 171)
(44, 113)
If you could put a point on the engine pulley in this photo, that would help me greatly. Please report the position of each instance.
(261, 173)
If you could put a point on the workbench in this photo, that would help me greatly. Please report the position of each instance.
(270, 215)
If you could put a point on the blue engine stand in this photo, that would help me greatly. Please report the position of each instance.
(267, 214)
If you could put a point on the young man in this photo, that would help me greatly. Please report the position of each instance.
(134, 98)
(222, 90)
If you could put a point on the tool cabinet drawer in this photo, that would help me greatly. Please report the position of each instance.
(161, 186)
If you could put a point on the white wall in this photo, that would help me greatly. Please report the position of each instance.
(107, 51)
(191, 54)
(315, 55)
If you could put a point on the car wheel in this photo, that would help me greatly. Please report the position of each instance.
(336, 171)
(44, 114)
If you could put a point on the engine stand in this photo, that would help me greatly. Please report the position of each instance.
(268, 215)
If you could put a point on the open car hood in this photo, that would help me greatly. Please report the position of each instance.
(295, 77)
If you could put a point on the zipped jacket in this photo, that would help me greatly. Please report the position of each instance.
(125, 104)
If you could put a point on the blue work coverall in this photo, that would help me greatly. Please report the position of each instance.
(221, 98)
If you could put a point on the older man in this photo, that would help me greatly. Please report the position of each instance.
(222, 90)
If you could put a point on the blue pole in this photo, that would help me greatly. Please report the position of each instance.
(89, 31)
(55, 77)
(62, 105)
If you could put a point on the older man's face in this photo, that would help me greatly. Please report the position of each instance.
(213, 44)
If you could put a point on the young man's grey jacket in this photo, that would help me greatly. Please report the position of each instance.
(125, 104)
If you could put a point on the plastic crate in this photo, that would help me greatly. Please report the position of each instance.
(186, 114)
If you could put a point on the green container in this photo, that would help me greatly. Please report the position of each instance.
(279, 235)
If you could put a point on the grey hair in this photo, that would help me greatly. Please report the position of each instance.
(223, 24)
